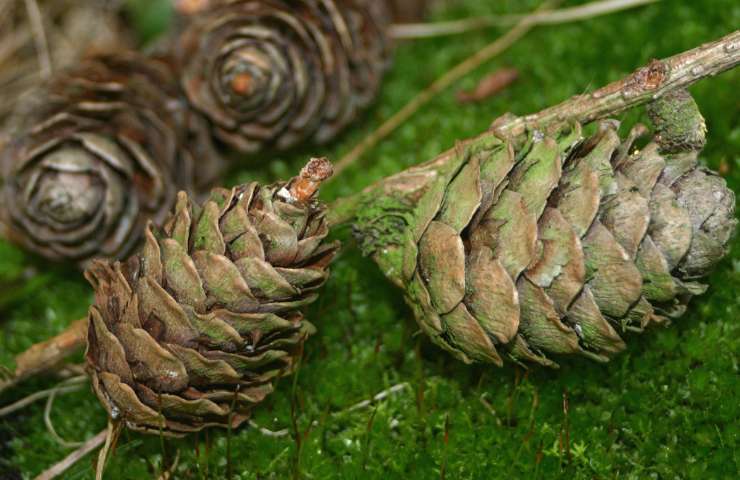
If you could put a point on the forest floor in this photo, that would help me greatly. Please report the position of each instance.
(667, 408)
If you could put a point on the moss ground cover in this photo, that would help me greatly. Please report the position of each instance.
(666, 408)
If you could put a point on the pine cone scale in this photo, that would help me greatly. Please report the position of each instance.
(537, 175)
(491, 296)
(264, 280)
(578, 201)
(204, 371)
(182, 275)
(466, 189)
(596, 332)
(167, 316)
(561, 269)
(442, 266)
(615, 281)
(627, 215)
(461, 328)
(109, 387)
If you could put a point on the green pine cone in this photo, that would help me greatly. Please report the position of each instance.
(557, 246)
(192, 331)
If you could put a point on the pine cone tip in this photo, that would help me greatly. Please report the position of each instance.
(304, 187)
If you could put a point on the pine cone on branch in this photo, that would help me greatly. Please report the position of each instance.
(555, 246)
(275, 73)
(193, 330)
(97, 152)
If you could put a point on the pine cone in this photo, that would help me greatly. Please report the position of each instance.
(553, 247)
(73, 29)
(192, 331)
(97, 152)
(273, 73)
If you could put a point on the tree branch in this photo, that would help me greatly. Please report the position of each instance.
(45, 356)
(74, 457)
(404, 31)
(645, 85)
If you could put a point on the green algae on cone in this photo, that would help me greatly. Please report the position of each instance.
(193, 330)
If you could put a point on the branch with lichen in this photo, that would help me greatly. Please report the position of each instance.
(645, 85)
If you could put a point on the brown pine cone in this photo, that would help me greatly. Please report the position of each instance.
(192, 331)
(556, 246)
(97, 152)
(73, 29)
(274, 73)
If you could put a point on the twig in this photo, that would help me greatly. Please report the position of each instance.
(644, 85)
(377, 398)
(167, 474)
(74, 457)
(47, 414)
(564, 15)
(444, 82)
(110, 438)
(45, 356)
(39, 36)
(269, 433)
(36, 396)
(358, 406)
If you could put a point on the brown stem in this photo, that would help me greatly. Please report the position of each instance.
(646, 84)
(74, 457)
(407, 31)
(48, 355)
(39, 36)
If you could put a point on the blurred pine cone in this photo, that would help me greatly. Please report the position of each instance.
(274, 73)
(192, 331)
(73, 29)
(96, 153)
(555, 246)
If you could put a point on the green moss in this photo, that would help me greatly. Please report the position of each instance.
(149, 17)
(666, 408)
(679, 122)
